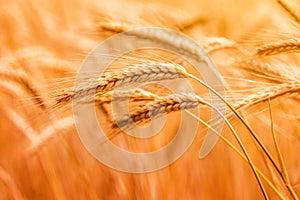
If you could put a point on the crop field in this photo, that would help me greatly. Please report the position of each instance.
(217, 82)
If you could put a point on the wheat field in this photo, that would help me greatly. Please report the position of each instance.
(254, 45)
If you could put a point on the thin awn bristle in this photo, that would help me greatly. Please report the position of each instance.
(290, 9)
(139, 73)
(161, 105)
(283, 46)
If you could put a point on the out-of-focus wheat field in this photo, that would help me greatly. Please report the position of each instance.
(42, 42)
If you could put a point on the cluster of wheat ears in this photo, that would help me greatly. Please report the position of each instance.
(41, 153)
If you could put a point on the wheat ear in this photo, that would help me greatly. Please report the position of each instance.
(22, 80)
(166, 104)
(216, 43)
(140, 73)
(269, 93)
(283, 46)
(172, 40)
(266, 69)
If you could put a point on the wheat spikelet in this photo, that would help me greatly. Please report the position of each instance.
(215, 43)
(269, 93)
(166, 104)
(283, 46)
(119, 95)
(112, 26)
(108, 81)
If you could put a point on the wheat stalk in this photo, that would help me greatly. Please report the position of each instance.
(139, 73)
(239, 153)
(239, 116)
(173, 103)
(284, 174)
(283, 46)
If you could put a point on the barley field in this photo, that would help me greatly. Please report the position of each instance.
(253, 45)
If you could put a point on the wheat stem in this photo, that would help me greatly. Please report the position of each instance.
(284, 174)
(240, 118)
(241, 145)
(173, 103)
(239, 153)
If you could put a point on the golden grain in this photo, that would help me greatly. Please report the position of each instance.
(279, 47)
(108, 81)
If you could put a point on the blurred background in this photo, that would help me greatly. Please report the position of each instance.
(41, 155)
